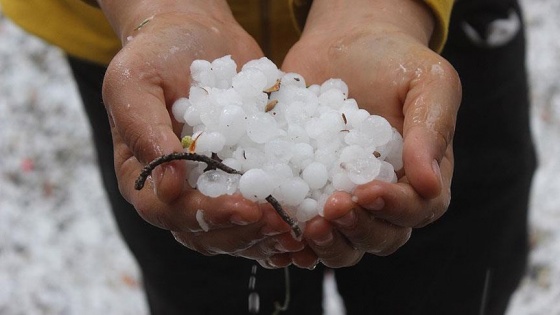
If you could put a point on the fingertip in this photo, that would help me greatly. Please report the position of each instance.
(318, 231)
(370, 196)
(422, 169)
(243, 211)
(169, 181)
(338, 204)
(305, 258)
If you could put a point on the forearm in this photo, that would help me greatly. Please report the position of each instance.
(126, 16)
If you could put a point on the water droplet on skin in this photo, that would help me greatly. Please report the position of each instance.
(437, 69)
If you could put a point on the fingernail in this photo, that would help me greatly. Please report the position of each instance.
(324, 240)
(312, 267)
(238, 220)
(348, 220)
(157, 176)
(437, 170)
(269, 231)
(280, 248)
(272, 264)
(377, 204)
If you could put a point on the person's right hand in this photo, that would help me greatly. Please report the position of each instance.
(151, 71)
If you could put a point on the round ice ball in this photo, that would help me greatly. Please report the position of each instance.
(316, 175)
(215, 183)
(306, 210)
(256, 184)
(293, 191)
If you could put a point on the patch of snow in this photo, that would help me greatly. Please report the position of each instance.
(60, 252)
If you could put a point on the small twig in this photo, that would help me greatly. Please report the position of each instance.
(291, 222)
(212, 164)
(147, 170)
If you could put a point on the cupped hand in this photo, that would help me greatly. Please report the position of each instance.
(380, 49)
(142, 82)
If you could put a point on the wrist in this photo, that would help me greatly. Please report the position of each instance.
(411, 17)
(128, 16)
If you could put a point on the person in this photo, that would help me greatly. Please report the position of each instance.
(467, 261)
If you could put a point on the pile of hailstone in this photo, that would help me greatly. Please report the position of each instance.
(295, 142)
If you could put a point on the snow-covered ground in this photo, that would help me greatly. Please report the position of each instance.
(60, 252)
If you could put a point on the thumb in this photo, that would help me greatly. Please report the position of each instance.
(137, 109)
(430, 112)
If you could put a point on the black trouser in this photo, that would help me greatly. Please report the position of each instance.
(474, 255)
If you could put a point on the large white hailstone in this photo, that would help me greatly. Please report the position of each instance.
(354, 118)
(194, 169)
(232, 123)
(362, 171)
(378, 128)
(315, 89)
(224, 69)
(262, 127)
(332, 98)
(293, 79)
(179, 108)
(256, 185)
(335, 84)
(302, 154)
(293, 93)
(233, 163)
(341, 182)
(299, 144)
(278, 171)
(249, 83)
(297, 134)
(215, 183)
(251, 157)
(292, 191)
(316, 175)
(395, 151)
(191, 115)
(278, 149)
(201, 72)
(386, 172)
(267, 67)
(306, 210)
(210, 142)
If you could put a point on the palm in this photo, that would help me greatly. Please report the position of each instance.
(141, 84)
(399, 78)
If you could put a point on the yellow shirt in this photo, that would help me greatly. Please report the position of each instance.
(82, 31)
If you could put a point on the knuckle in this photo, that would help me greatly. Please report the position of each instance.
(393, 239)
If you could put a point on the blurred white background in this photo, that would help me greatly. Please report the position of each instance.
(60, 252)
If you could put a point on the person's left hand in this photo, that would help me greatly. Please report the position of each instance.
(380, 49)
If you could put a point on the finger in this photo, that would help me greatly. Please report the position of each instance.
(332, 249)
(400, 203)
(276, 261)
(305, 258)
(247, 241)
(430, 111)
(271, 246)
(136, 103)
(224, 241)
(193, 211)
(363, 230)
